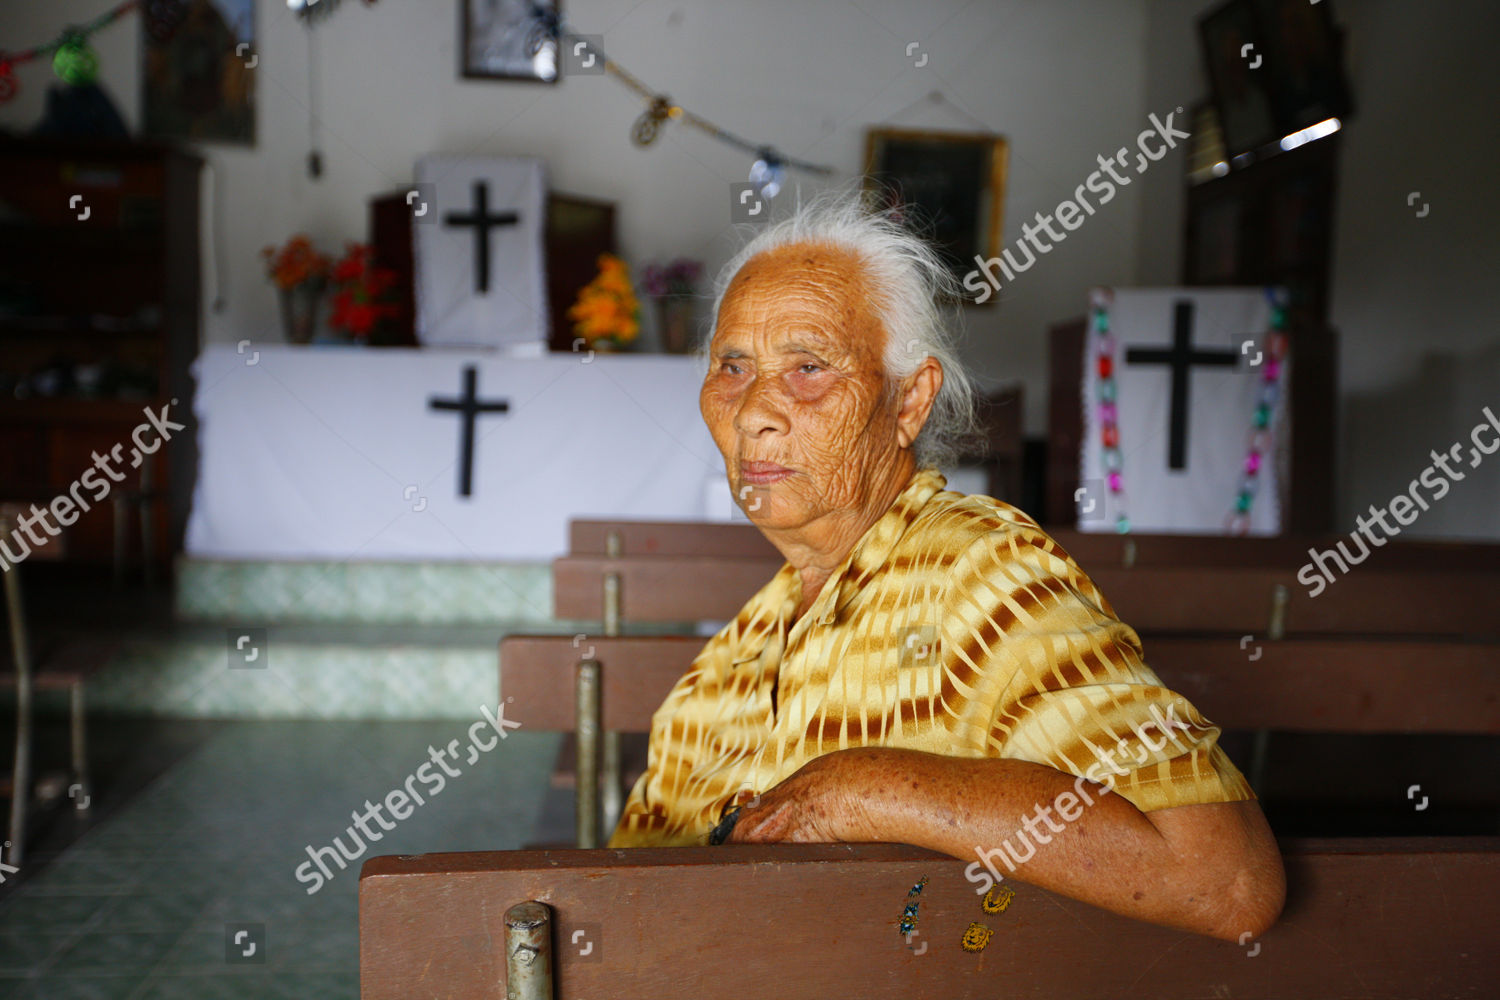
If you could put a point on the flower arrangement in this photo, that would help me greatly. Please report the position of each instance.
(295, 264)
(607, 312)
(674, 286)
(358, 288)
(677, 278)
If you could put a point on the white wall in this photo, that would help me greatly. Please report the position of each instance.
(1412, 298)
(1062, 81)
(1065, 81)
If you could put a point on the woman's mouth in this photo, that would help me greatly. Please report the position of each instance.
(762, 473)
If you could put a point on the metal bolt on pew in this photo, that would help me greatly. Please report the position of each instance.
(1276, 629)
(528, 952)
(586, 728)
(1260, 748)
(612, 801)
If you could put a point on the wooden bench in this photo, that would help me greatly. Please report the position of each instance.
(1232, 592)
(1089, 549)
(1389, 918)
(1296, 685)
(1376, 917)
(1151, 599)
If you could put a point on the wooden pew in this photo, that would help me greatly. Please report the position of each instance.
(1388, 918)
(1296, 685)
(1229, 599)
(1100, 549)
(1089, 549)
(1242, 591)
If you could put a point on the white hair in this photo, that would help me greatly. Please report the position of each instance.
(914, 289)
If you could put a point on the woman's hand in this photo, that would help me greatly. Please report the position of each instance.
(820, 804)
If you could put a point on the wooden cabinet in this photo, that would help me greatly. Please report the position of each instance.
(99, 319)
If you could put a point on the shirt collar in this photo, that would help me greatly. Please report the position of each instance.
(777, 600)
(876, 544)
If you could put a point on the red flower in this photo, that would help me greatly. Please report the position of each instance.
(357, 308)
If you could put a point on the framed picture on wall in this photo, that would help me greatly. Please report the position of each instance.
(951, 183)
(196, 82)
(508, 40)
(1234, 50)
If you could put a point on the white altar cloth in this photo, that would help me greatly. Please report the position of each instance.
(337, 453)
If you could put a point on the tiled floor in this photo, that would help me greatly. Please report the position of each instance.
(147, 905)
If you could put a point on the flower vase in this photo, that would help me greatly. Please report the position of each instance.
(299, 311)
(674, 315)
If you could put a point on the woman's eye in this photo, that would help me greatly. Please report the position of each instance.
(810, 368)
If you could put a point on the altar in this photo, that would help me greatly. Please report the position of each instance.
(312, 453)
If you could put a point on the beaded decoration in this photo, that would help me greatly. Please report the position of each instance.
(1109, 427)
(1261, 438)
(908, 921)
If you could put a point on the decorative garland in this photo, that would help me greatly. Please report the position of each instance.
(1261, 437)
(73, 59)
(76, 62)
(770, 164)
(1109, 426)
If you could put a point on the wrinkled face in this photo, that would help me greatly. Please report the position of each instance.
(796, 395)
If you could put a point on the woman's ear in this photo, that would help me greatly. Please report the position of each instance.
(919, 391)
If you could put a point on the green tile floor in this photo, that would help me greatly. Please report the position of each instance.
(145, 904)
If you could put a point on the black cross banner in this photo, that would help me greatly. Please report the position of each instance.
(470, 406)
(1180, 356)
(482, 221)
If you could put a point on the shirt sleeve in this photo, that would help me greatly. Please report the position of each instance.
(1060, 681)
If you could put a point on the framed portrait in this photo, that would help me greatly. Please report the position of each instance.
(1235, 52)
(508, 40)
(951, 183)
(198, 84)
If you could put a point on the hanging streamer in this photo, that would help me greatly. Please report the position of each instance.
(73, 59)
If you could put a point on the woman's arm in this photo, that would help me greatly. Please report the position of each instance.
(1213, 869)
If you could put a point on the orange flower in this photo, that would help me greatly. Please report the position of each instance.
(296, 263)
(607, 308)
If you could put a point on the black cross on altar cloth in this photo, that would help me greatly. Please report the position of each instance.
(470, 406)
(482, 221)
(1180, 356)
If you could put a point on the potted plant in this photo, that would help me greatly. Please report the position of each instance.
(362, 309)
(674, 286)
(607, 313)
(300, 274)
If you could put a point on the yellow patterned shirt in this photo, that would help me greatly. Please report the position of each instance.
(956, 626)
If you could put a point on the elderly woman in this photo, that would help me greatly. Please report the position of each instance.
(927, 668)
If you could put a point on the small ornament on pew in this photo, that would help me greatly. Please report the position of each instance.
(908, 922)
(976, 937)
(997, 899)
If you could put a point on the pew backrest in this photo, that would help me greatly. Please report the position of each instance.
(1308, 685)
(1378, 918)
